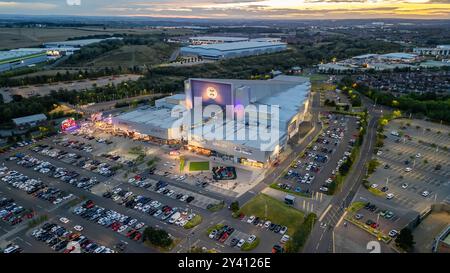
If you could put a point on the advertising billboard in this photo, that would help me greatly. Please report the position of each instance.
(212, 92)
(69, 125)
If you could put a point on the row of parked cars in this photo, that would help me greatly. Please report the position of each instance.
(112, 219)
(225, 232)
(171, 215)
(12, 248)
(74, 144)
(12, 213)
(160, 187)
(63, 174)
(35, 187)
(63, 240)
(92, 165)
(264, 224)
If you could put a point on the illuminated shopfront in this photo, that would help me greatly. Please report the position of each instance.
(251, 163)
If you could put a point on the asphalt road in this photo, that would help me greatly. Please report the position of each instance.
(321, 238)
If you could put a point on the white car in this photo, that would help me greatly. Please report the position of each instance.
(408, 169)
(212, 234)
(78, 228)
(379, 152)
(284, 239)
(323, 189)
(393, 233)
(64, 220)
(139, 225)
(389, 196)
(418, 155)
(374, 186)
(251, 219)
(425, 193)
(122, 228)
(267, 224)
(251, 238)
(240, 243)
(404, 185)
(183, 198)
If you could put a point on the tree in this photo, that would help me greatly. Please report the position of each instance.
(405, 239)
(234, 206)
(157, 237)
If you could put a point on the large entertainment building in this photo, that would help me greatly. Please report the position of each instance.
(290, 93)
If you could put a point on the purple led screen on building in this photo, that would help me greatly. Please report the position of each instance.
(212, 92)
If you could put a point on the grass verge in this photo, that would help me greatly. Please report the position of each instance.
(250, 246)
(199, 166)
(193, 222)
(268, 208)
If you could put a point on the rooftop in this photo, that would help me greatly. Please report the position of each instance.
(29, 119)
(82, 42)
(156, 117)
(236, 45)
(398, 55)
(14, 54)
(219, 38)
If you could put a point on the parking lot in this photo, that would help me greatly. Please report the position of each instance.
(414, 164)
(316, 168)
(178, 216)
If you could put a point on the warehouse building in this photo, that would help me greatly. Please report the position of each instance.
(14, 59)
(77, 43)
(232, 50)
(440, 50)
(29, 121)
(204, 40)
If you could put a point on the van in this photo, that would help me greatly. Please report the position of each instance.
(174, 217)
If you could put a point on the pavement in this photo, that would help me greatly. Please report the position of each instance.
(321, 239)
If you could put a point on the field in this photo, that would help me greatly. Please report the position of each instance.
(199, 166)
(131, 55)
(277, 212)
(29, 37)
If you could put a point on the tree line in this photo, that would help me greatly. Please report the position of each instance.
(432, 105)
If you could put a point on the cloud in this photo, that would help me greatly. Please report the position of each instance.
(238, 9)
(26, 5)
(73, 2)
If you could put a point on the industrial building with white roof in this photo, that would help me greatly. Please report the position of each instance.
(217, 51)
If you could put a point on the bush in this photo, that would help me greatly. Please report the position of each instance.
(249, 246)
(301, 234)
(234, 206)
(157, 237)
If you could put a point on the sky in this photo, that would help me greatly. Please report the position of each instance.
(235, 9)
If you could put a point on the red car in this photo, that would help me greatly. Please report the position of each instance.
(375, 225)
(131, 233)
(137, 236)
(224, 237)
(115, 226)
(29, 215)
(68, 250)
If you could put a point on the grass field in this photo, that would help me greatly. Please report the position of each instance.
(131, 55)
(28, 37)
(277, 212)
(199, 166)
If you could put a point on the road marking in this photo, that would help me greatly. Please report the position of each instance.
(324, 213)
(334, 247)
(342, 218)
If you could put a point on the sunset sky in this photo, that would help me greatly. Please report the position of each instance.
(242, 9)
